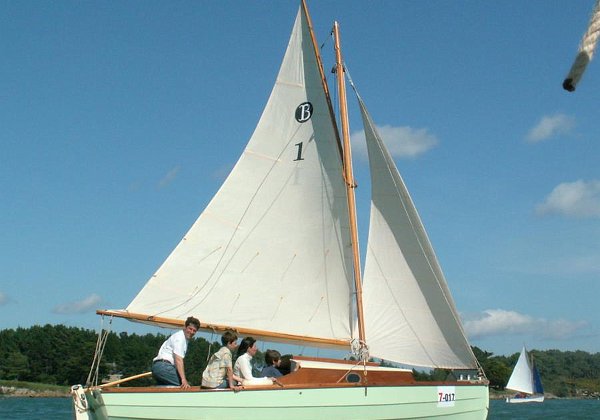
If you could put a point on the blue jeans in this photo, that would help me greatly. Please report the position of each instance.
(165, 373)
(223, 385)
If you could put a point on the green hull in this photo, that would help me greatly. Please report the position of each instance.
(385, 402)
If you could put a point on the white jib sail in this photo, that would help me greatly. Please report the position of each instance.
(271, 250)
(410, 316)
(521, 379)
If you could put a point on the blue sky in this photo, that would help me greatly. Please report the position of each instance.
(119, 120)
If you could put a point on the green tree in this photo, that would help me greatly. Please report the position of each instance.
(15, 366)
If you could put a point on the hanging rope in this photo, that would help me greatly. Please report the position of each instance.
(586, 50)
(212, 337)
(93, 376)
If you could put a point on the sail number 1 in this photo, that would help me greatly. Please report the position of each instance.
(299, 155)
(446, 396)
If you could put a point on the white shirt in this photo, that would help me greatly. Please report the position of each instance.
(243, 369)
(175, 344)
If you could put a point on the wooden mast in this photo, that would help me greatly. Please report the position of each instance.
(349, 178)
(346, 157)
(322, 73)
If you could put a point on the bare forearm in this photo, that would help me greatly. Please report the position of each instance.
(233, 380)
(181, 370)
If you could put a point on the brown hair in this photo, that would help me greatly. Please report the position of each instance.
(228, 336)
(271, 356)
(192, 321)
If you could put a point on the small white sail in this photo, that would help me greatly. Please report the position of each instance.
(521, 379)
(410, 316)
(271, 250)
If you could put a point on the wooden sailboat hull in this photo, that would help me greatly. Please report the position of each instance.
(457, 401)
(529, 399)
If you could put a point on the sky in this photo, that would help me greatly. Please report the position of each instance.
(120, 120)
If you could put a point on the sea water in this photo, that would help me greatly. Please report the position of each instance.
(60, 409)
(549, 409)
(16, 408)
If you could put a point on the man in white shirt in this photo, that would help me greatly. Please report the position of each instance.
(168, 367)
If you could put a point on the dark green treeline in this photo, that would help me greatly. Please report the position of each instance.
(56, 354)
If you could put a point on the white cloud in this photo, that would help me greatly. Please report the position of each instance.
(78, 307)
(497, 322)
(551, 126)
(4, 299)
(169, 177)
(578, 199)
(400, 141)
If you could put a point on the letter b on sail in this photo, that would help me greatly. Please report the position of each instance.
(304, 112)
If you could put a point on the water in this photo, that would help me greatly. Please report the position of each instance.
(549, 409)
(14, 408)
(60, 409)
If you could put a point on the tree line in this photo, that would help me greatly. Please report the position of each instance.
(61, 355)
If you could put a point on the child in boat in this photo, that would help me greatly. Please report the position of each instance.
(243, 366)
(272, 362)
(219, 371)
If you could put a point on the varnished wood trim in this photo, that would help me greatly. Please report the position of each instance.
(259, 334)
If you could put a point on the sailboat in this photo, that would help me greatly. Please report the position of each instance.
(525, 380)
(285, 221)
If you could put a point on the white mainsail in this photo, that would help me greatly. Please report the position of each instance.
(521, 379)
(410, 316)
(272, 249)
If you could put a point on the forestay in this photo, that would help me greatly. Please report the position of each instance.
(271, 250)
(410, 316)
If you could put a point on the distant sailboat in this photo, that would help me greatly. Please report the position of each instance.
(526, 381)
(284, 221)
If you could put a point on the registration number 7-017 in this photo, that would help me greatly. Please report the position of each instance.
(446, 396)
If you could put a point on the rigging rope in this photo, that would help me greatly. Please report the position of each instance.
(586, 50)
(92, 378)
(360, 349)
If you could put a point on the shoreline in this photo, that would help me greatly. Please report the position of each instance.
(21, 392)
